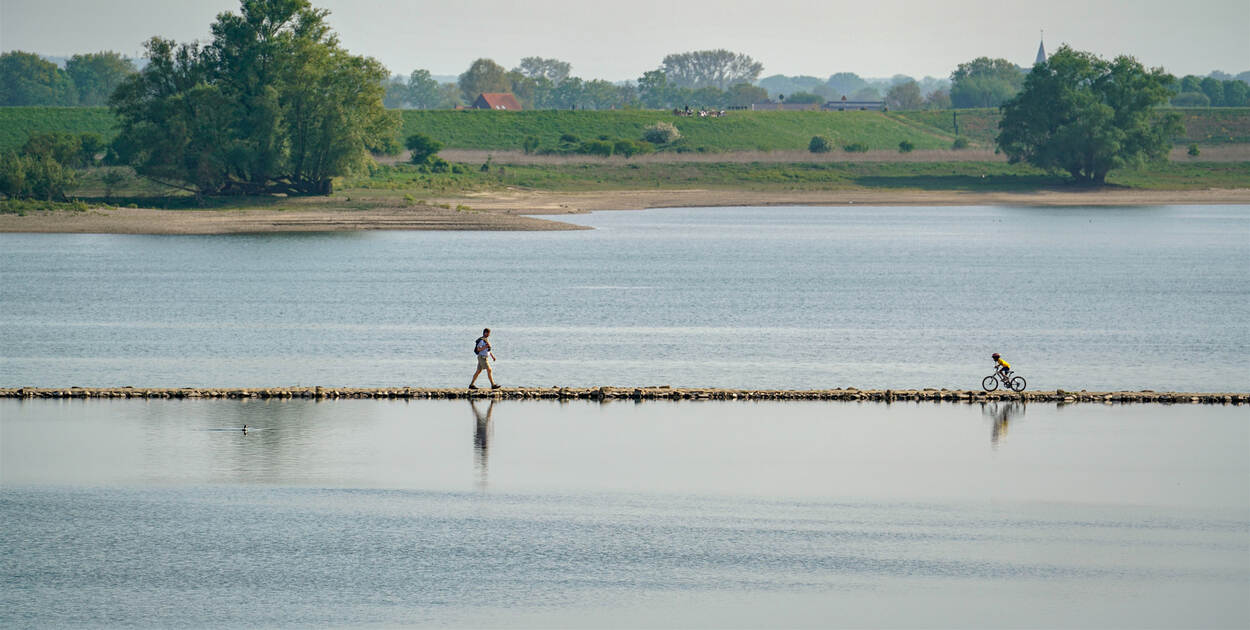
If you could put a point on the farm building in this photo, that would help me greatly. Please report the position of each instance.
(497, 100)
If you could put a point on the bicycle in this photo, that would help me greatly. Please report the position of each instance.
(1014, 383)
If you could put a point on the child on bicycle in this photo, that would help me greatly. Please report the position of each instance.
(1004, 367)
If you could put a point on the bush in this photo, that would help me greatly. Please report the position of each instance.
(600, 148)
(855, 147)
(1194, 151)
(819, 144)
(112, 178)
(960, 143)
(905, 147)
(661, 133)
(1191, 99)
(530, 144)
(568, 138)
(630, 148)
(423, 147)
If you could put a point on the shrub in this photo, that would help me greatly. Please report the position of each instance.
(855, 147)
(960, 143)
(596, 147)
(905, 147)
(423, 147)
(568, 138)
(530, 144)
(112, 178)
(661, 133)
(1194, 151)
(630, 148)
(819, 144)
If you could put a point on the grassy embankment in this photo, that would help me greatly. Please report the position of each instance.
(738, 132)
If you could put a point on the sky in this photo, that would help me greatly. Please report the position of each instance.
(622, 39)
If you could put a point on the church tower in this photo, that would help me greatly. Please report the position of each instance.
(1041, 52)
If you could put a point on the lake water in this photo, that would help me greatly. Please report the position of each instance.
(540, 514)
(1076, 298)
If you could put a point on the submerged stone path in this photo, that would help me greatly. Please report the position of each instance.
(623, 393)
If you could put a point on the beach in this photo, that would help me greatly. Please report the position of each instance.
(506, 210)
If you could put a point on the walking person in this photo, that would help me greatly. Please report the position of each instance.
(481, 348)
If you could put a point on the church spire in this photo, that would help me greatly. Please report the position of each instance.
(1041, 50)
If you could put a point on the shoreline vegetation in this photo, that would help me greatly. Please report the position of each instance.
(607, 394)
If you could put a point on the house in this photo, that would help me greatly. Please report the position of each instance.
(497, 100)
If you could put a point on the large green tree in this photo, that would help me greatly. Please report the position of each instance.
(710, 68)
(27, 79)
(271, 105)
(96, 75)
(483, 76)
(985, 82)
(1086, 116)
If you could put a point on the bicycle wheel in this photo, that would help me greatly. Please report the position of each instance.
(1017, 384)
(989, 383)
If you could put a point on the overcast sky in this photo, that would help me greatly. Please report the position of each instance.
(622, 39)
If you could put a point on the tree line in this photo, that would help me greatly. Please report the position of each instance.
(87, 80)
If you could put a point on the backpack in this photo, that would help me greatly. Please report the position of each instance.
(479, 340)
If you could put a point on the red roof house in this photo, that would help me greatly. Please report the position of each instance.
(497, 100)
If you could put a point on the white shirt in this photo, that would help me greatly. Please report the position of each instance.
(483, 348)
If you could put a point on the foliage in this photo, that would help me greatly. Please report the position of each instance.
(661, 133)
(855, 147)
(271, 105)
(804, 98)
(552, 70)
(1191, 99)
(112, 178)
(906, 147)
(959, 143)
(938, 99)
(819, 144)
(530, 144)
(985, 82)
(483, 76)
(27, 79)
(845, 83)
(744, 94)
(35, 176)
(97, 75)
(710, 68)
(17, 124)
(601, 148)
(905, 95)
(1194, 151)
(1086, 116)
(423, 147)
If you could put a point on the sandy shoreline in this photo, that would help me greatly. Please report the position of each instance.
(506, 210)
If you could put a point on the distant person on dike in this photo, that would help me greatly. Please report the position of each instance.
(481, 348)
(1003, 366)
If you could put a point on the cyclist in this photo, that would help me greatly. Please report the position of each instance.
(1004, 367)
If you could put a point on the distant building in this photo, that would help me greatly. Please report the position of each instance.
(497, 100)
(845, 105)
(1041, 52)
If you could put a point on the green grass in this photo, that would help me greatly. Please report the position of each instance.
(1207, 126)
(19, 123)
(737, 131)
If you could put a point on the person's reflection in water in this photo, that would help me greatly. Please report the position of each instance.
(481, 441)
(1002, 413)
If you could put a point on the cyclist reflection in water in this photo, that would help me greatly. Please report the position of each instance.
(1002, 413)
(481, 441)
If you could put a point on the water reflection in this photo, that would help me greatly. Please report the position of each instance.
(1001, 413)
(482, 433)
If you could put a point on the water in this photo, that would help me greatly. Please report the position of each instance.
(1093, 298)
(541, 514)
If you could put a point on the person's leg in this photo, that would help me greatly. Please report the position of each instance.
(475, 375)
(490, 374)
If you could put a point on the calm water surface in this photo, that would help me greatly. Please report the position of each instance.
(447, 513)
(1095, 298)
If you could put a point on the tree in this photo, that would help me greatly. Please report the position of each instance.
(717, 68)
(96, 75)
(938, 99)
(845, 83)
(804, 98)
(553, 70)
(1214, 89)
(1236, 93)
(26, 79)
(744, 94)
(483, 76)
(653, 89)
(985, 82)
(867, 93)
(271, 105)
(1086, 116)
(819, 144)
(395, 95)
(422, 90)
(1191, 99)
(423, 147)
(905, 95)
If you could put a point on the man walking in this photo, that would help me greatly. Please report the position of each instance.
(484, 356)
